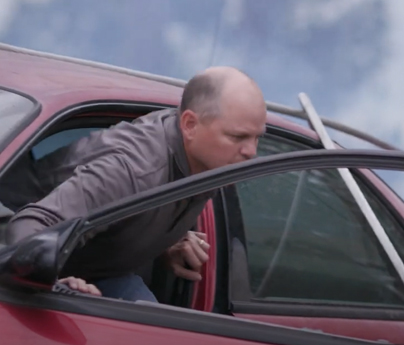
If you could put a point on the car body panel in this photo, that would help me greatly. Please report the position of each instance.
(51, 81)
(376, 330)
(20, 325)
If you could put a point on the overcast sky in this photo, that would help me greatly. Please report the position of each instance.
(347, 55)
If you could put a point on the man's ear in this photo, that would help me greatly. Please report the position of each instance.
(188, 123)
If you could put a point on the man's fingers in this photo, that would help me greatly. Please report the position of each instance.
(200, 252)
(200, 235)
(64, 280)
(198, 238)
(72, 282)
(192, 252)
(191, 257)
(80, 285)
(93, 290)
(184, 273)
(205, 246)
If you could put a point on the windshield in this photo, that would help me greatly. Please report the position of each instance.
(14, 109)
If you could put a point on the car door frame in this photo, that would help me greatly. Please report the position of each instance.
(179, 318)
(103, 113)
(312, 315)
(21, 142)
(226, 202)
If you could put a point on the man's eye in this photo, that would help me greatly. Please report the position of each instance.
(237, 137)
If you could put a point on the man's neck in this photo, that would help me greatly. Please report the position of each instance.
(195, 167)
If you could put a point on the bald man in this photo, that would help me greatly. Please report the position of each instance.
(221, 116)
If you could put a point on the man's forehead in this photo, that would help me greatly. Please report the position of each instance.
(246, 127)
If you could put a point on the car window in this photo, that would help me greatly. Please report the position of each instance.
(22, 183)
(60, 139)
(306, 238)
(14, 110)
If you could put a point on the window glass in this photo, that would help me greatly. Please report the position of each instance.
(307, 238)
(14, 109)
(26, 182)
(58, 140)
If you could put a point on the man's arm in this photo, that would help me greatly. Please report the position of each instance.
(93, 185)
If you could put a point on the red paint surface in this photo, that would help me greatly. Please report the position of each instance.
(43, 327)
(58, 85)
(392, 331)
(204, 291)
(48, 79)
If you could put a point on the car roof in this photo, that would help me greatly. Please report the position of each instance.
(51, 78)
(58, 81)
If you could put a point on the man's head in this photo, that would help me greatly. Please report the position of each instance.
(222, 115)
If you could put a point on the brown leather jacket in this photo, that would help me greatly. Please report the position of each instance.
(106, 166)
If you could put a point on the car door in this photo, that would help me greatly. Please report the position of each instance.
(302, 254)
(27, 313)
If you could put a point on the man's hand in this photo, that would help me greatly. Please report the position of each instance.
(188, 255)
(80, 285)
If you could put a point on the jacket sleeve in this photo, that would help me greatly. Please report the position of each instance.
(98, 183)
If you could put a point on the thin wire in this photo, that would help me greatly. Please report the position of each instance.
(216, 35)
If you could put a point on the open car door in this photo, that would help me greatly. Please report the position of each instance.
(33, 275)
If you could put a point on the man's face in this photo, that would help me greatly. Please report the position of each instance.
(230, 138)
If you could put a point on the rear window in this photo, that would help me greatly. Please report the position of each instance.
(14, 110)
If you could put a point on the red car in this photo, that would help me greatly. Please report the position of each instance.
(298, 255)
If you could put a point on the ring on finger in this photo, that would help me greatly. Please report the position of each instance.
(201, 242)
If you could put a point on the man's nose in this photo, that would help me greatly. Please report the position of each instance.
(249, 150)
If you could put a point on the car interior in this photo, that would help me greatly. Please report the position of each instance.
(167, 288)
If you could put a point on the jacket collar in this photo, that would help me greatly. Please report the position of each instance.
(179, 166)
(175, 144)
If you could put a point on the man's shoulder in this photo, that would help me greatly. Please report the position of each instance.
(155, 117)
(141, 143)
(144, 145)
(147, 128)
